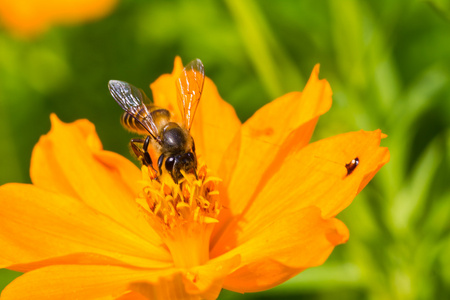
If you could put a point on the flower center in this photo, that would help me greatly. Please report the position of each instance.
(183, 214)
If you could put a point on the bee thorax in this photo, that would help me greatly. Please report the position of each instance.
(175, 139)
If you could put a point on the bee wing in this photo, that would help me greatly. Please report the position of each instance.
(190, 87)
(132, 100)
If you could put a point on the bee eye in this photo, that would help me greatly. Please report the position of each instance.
(169, 163)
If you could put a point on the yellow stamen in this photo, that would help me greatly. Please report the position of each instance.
(184, 214)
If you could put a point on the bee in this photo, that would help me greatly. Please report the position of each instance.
(170, 140)
(351, 166)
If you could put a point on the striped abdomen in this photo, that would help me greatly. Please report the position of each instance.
(160, 117)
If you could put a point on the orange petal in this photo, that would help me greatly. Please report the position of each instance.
(70, 160)
(129, 174)
(214, 128)
(79, 282)
(132, 296)
(314, 176)
(215, 124)
(40, 227)
(165, 92)
(289, 121)
(104, 282)
(201, 282)
(81, 258)
(28, 18)
(317, 175)
(281, 248)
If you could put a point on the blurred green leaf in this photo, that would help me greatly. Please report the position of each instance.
(409, 205)
(265, 52)
(442, 7)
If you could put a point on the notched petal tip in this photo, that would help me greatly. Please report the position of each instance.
(338, 233)
(83, 126)
(365, 147)
(177, 66)
(54, 119)
(316, 70)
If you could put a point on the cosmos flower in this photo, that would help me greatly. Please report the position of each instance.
(93, 225)
(31, 17)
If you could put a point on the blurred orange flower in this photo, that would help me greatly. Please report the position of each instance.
(93, 225)
(32, 17)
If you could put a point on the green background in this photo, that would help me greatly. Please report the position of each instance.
(388, 63)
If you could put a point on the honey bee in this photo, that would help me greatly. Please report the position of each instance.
(170, 140)
(351, 166)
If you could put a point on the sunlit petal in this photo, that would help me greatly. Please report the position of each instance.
(39, 225)
(31, 17)
(289, 121)
(70, 160)
(98, 282)
(80, 282)
(314, 176)
(201, 282)
(280, 248)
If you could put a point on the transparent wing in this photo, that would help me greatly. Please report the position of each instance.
(190, 87)
(132, 100)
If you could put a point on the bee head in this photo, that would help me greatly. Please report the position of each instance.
(186, 162)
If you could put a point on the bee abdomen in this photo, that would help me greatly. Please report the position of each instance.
(159, 116)
(129, 122)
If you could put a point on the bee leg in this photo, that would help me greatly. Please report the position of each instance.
(138, 151)
(147, 157)
(142, 154)
(175, 171)
(160, 163)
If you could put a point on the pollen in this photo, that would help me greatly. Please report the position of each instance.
(183, 214)
(192, 200)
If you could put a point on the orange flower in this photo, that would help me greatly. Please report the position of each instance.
(93, 225)
(31, 17)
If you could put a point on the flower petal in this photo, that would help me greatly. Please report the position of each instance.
(79, 282)
(29, 18)
(211, 138)
(201, 282)
(81, 258)
(41, 227)
(104, 282)
(165, 92)
(70, 160)
(129, 174)
(283, 247)
(132, 296)
(314, 176)
(288, 121)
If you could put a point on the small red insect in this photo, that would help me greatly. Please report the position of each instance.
(351, 166)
